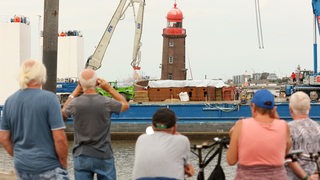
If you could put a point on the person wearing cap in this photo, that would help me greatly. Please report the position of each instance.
(259, 143)
(305, 134)
(163, 154)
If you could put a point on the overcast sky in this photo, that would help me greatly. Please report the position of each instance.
(221, 34)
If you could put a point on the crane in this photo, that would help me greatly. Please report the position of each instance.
(136, 58)
(309, 81)
(95, 60)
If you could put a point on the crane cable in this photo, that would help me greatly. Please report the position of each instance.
(259, 26)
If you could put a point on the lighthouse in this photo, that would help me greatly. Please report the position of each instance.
(173, 53)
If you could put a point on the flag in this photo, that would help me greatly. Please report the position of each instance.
(316, 11)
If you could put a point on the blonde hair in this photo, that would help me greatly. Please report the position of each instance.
(300, 103)
(32, 71)
(88, 79)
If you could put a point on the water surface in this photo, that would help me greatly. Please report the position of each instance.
(124, 156)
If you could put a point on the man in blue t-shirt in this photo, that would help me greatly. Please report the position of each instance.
(32, 128)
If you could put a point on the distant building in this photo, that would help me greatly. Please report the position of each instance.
(264, 76)
(272, 77)
(240, 79)
(256, 76)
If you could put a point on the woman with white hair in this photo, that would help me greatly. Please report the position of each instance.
(305, 134)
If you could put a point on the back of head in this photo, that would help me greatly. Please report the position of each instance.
(300, 103)
(88, 79)
(264, 99)
(32, 72)
(264, 102)
(164, 118)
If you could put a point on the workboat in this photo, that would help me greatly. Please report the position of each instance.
(193, 116)
(209, 116)
(200, 105)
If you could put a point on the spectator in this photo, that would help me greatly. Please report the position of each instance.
(305, 134)
(32, 128)
(92, 151)
(301, 78)
(163, 154)
(259, 143)
(293, 77)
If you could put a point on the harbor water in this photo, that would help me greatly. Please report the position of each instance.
(124, 156)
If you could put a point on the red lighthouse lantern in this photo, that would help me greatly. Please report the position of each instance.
(174, 22)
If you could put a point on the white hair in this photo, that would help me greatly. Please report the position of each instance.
(88, 79)
(32, 71)
(300, 103)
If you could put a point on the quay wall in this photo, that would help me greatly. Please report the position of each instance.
(131, 131)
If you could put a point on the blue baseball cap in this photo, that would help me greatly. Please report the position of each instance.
(263, 98)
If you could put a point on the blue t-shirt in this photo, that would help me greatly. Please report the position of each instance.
(30, 115)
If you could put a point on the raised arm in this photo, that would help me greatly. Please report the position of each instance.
(114, 93)
(232, 152)
(76, 92)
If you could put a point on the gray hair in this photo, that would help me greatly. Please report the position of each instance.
(300, 103)
(32, 71)
(88, 79)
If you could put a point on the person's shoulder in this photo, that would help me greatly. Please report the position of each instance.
(181, 137)
(284, 123)
(13, 97)
(47, 93)
(142, 136)
(239, 123)
(241, 120)
(291, 123)
(314, 122)
(107, 100)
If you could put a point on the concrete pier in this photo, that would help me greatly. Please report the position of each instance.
(131, 131)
